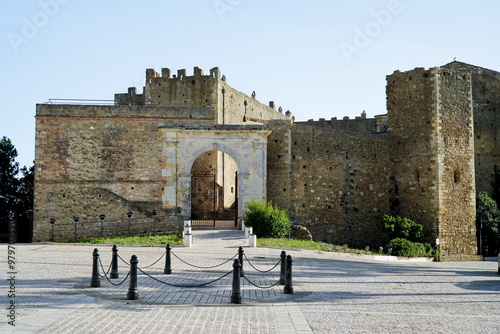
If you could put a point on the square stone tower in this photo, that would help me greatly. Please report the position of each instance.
(430, 116)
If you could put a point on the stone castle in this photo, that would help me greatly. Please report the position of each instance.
(425, 159)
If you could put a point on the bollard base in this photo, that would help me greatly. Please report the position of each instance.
(114, 275)
(236, 299)
(132, 295)
(167, 271)
(95, 283)
(288, 290)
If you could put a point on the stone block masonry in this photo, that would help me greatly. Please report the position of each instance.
(425, 159)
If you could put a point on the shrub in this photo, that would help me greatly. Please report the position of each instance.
(267, 221)
(404, 247)
(398, 227)
(488, 219)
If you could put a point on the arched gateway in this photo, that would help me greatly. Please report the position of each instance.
(247, 145)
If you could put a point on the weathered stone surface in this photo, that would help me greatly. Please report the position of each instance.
(425, 159)
(299, 232)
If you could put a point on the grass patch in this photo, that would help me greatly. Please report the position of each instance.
(299, 244)
(173, 239)
(310, 245)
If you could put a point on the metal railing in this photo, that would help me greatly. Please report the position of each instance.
(89, 102)
(113, 227)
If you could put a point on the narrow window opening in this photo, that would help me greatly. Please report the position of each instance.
(456, 176)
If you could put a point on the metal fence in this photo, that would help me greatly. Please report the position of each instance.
(114, 227)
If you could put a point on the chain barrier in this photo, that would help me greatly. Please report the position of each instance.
(156, 260)
(261, 271)
(106, 275)
(103, 269)
(127, 263)
(201, 267)
(259, 286)
(183, 286)
(152, 264)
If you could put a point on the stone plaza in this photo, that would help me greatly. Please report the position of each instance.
(334, 292)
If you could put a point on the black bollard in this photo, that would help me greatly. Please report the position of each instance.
(236, 293)
(132, 293)
(95, 282)
(288, 289)
(240, 257)
(283, 266)
(168, 265)
(114, 263)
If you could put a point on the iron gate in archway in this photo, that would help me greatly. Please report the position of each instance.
(207, 201)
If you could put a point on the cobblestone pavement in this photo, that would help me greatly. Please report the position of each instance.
(336, 293)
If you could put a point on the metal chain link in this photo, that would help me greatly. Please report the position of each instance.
(201, 267)
(103, 269)
(262, 271)
(156, 260)
(106, 275)
(127, 263)
(183, 286)
(259, 286)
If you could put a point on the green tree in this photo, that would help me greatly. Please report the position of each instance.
(9, 183)
(16, 192)
(488, 220)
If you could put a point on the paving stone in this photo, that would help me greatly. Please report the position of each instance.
(338, 294)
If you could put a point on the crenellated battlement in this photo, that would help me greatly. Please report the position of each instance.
(181, 75)
(200, 90)
(378, 124)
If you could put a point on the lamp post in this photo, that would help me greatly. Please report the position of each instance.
(154, 221)
(129, 215)
(52, 221)
(102, 223)
(76, 226)
(179, 216)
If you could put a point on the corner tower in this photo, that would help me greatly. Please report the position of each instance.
(430, 117)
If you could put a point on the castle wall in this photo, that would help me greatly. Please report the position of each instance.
(412, 123)
(421, 160)
(340, 178)
(430, 117)
(236, 107)
(101, 159)
(182, 90)
(279, 160)
(457, 223)
(486, 105)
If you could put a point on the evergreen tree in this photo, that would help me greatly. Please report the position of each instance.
(16, 194)
(9, 183)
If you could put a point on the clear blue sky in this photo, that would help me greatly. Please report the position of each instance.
(317, 58)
